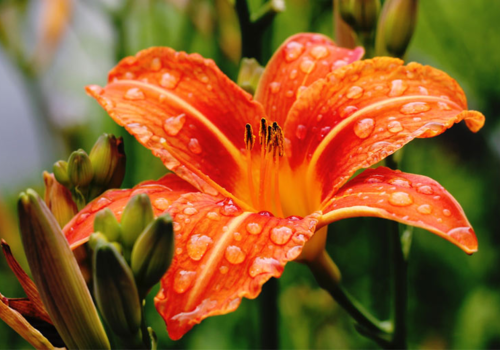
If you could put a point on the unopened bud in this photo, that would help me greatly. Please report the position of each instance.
(79, 169)
(249, 75)
(96, 239)
(60, 170)
(136, 216)
(58, 199)
(105, 157)
(361, 15)
(106, 223)
(115, 291)
(395, 27)
(152, 253)
(57, 276)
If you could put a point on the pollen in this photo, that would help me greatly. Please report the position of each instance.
(249, 137)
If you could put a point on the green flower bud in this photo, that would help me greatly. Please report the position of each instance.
(105, 157)
(249, 74)
(152, 253)
(115, 292)
(60, 170)
(395, 28)
(96, 239)
(361, 15)
(119, 173)
(136, 216)
(106, 223)
(79, 169)
(57, 276)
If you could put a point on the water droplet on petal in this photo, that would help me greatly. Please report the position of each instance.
(177, 226)
(364, 127)
(234, 255)
(223, 269)
(400, 182)
(213, 216)
(229, 208)
(415, 108)
(197, 246)
(169, 80)
(424, 209)
(140, 131)
(293, 50)
(173, 125)
(265, 265)
(237, 236)
(254, 228)
(294, 252)
(275, 87)
(178, 250)
(293, 74)
(354, 92)
(319, 52)
(464, 235)
(444, 106)
(400, 199)
(373, 179)
(96, 89)
(281, 235)
(161, 203)
(194, 146)
(99, 204)
(301, 131)
(425, 189)
(183, 280)
(394, 126)
(190, 211)
(398, 87)
(348, 111)
(155, 64)
(307, 65)
(423, 90)
(134, 94)
(446, 212)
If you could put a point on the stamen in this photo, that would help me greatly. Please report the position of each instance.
(249, 143)
(277, 198)
(262, 131)
(249, 137)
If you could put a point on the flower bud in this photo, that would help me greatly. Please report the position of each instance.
(105, 157)
(106, 223)
(395, 27)
(57, 276)
(79, 169)
(136, 216)
(58, 199)
(152, 253)
(249, 75)
(60, 170)
(115, 291)
(361, 15)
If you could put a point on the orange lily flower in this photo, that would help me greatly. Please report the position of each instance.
(248, 194)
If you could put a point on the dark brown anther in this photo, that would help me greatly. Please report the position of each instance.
(249, 137)
(263, 131)
(280, 141)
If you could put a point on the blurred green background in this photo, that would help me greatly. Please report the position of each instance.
(454, 299)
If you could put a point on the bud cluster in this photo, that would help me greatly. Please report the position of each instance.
(89, 175)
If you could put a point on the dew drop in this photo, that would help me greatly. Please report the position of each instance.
(140, 131)
(194, 146)
(423, 90)
(197, 246)
(415, 108)
(254, 228)
(173, 125)
(364, 127)
(301, 131)
(264, 265)
(155, 64)
(446, 212)
(444, 106)
(373, 179)
(234, 255)
(223, 269)
(237, 236)
(400, 199)
(294, 252)
(400, 182)
(99, 204)
(299, 239)
(354, 92)
(307, 65)
(293, 74)
(293, 50)
(213, 216)
(190, 211)
(178, 250)
(275, 87)
(424, 209)
(394, 126)
(348, 111)
(183, 280)
(289, 93)
(398, 87)
(425, 189)
(169, 80)
(229, 208)
(161, 203)
(134, 94)
(319, 52)
(177, 226)
(96, 89)
(281, 235)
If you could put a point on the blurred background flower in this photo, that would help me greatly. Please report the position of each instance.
(51, 49)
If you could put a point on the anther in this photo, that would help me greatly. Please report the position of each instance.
(249, 137)
(263, 131)
(270, 139)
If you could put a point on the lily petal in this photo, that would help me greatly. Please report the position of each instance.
(162, 193)
(187, 112)
(222, 255)
(299, 61)
(407, 198)
(366, 111)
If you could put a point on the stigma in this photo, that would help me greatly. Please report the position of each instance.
(271, 141)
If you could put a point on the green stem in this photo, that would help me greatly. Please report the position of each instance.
(269, 320)
(400, 287)
(328, 277)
